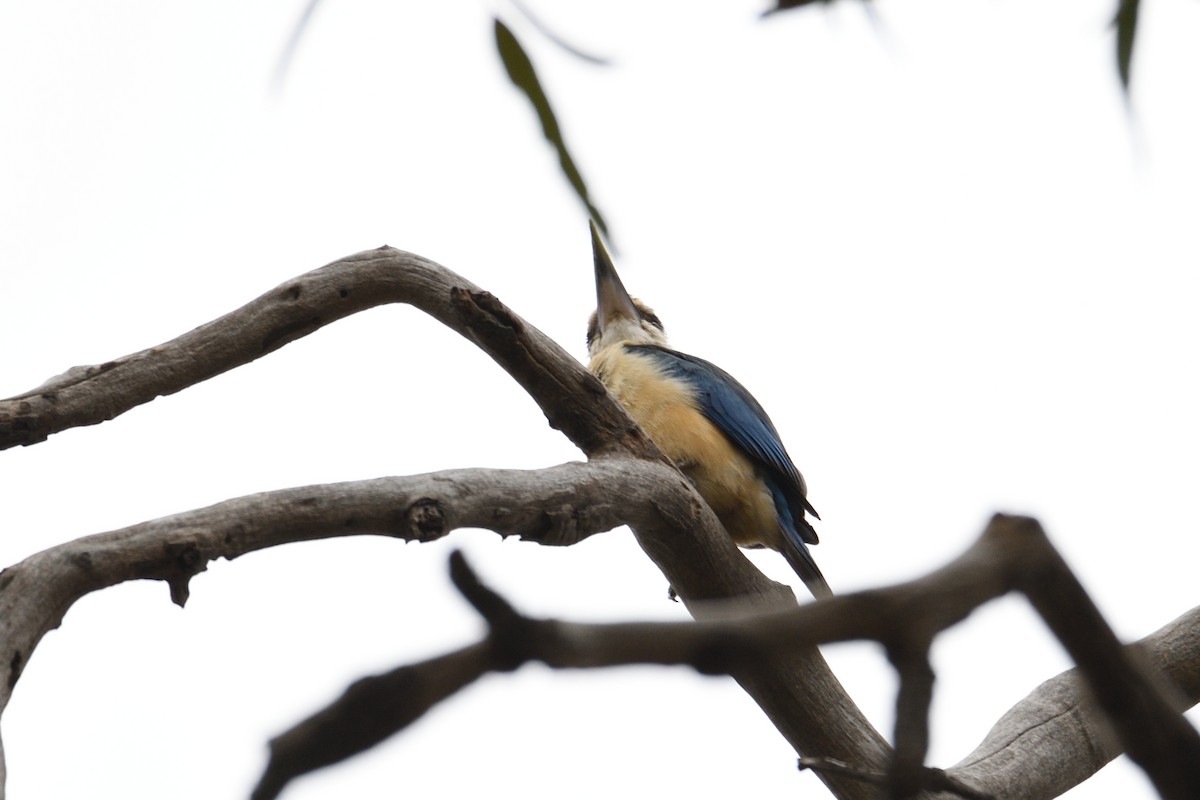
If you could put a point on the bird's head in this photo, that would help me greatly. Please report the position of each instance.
(618, 317)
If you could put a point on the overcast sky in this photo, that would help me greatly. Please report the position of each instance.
(934, 240)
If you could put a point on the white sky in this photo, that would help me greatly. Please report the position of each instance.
(936, 247)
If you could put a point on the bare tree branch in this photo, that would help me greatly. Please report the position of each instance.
(370, 710)
(1142, 709)
(555, 506)
(798, 692)
(559, 506)
(627, 481)
(908, 775)
(1012, 552)
(740, 640)
(566, 392)
(1057, 737)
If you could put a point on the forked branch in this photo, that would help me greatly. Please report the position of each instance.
(767, 644)
(684, 539)
(1013, 553)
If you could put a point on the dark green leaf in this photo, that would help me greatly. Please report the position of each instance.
(520, 71)
(784, 5)
(1126, 24)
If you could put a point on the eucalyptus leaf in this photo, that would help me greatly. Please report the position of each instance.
(521, 72)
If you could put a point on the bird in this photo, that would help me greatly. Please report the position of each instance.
(705, 421)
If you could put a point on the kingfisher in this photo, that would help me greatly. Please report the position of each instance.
(706, 422)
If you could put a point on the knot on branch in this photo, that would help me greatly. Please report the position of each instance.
(185, 560)
(15, 665)
(425, 520)
(290, 331)
(551, 527)
(484, 308)
(22, 424)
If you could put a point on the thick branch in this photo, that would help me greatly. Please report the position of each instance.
(1160, 740)
(1012, 552)
(556, 506)
(796, 690)
(735, 639)
(741, 639)
(680, 534)
(559, 505)
(566, 393)
(1057, 737)
(799, 693)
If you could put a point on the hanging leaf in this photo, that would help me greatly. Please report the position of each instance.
(1126, 25)
(520, 71)
(546, 31)
(784, 5)
(293, 44)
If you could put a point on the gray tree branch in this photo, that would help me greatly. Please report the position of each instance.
(626, 481)
(557, 506)
(1057, 737)
(554, 506)
(93, 394)
(1013, 553)
(798, 692)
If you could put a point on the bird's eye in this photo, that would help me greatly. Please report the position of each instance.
(653, 319)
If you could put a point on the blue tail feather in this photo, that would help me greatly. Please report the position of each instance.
(794, 548)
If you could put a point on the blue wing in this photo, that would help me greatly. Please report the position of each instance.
(728, 405)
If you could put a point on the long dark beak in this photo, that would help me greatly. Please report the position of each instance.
(611, 298)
